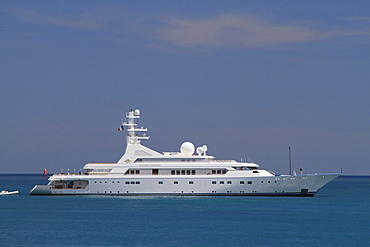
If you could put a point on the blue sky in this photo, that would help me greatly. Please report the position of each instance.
(246, 78)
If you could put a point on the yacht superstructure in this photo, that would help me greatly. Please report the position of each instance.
(143, 171)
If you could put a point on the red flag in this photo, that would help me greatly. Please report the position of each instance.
(45, 172)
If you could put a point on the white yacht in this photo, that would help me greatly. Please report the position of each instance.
(189, 172)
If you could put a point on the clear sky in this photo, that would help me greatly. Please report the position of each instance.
(246, 78)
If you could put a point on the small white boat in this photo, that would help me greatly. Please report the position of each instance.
(5, 192)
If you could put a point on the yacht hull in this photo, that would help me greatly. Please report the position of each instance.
(296, 185)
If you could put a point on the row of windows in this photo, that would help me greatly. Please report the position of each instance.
(213, 182)
(132, 182)
(126, 182)
(219, 171)
(177, 182)
(132, 172)
(177, 172)
(105, 182)
(183, 172)
(164, 160)
(230, 182)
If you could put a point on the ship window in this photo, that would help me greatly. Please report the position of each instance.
(229, 182)
(160, 182)
(173, 172)
(154, 171)
(132, 172)
(127, 182)
(255, 172)
(192, 172)
(224, 171)
(137, 171)
(177, 172)
(268, 181)
(139, 160)
(191, 182)
(214, 182)
(249, 182)
(117, 181)
(262, 182)
(222, 182)
(137, 182)
(187, 172)
(213, 171)
(182, 172)
(132, 182)
(218, 171)
(241, 182)
(176, 182)
(112, 182)
(105, 182)
(94, 182)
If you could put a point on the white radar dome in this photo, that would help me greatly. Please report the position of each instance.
(187, 148)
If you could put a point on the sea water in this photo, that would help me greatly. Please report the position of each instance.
(339, 215)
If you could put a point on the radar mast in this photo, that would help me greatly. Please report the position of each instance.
(131, 128)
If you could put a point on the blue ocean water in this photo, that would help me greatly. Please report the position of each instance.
(339, 215)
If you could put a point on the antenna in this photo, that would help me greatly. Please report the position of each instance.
(290, 162)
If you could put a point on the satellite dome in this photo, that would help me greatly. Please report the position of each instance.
(187, 148)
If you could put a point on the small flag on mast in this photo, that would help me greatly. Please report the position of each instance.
(45, 172)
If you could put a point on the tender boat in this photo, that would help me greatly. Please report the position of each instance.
(5, 192)
(143, 171)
